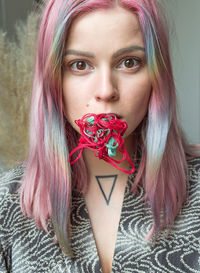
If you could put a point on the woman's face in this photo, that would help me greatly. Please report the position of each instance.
(105, 68)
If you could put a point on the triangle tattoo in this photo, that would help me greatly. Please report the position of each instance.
(102, 179)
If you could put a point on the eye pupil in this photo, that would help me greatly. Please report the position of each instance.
(129, 63)
(81, 65)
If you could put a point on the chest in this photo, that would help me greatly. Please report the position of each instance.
(104, 218)
(105, 224)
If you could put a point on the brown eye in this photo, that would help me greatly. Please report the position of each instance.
(81, 65)
(129, 63)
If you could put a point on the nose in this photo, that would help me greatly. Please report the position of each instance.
(106, 89)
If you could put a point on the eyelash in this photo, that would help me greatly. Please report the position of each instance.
(89, 67)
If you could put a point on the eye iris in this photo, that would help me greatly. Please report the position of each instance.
(129, 63)
(81, 65)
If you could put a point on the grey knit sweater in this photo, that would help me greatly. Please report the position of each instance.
(25, 249)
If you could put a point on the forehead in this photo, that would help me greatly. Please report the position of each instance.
(110, 25)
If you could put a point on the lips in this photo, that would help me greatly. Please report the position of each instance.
(118, 116)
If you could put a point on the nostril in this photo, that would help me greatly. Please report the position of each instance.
(98, 98)
(115, 96)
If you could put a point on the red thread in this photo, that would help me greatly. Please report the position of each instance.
(103, 134)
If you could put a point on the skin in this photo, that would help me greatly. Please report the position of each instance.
(105, 71)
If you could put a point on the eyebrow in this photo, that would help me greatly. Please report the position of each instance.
(115, 55)
(79, 53)
(127, 50)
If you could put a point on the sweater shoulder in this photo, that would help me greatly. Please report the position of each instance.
(10, 181)
(10, 210)
(194, 170)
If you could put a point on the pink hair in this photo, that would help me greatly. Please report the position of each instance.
(49, 180)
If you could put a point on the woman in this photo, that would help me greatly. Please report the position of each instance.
(87, 209)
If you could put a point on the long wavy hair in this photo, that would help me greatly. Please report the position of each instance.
(49, 179)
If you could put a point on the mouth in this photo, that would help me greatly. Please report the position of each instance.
(117, 116)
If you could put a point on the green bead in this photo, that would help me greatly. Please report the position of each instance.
(111, 142)
(111, 152)
(90, 120)
(111, 147)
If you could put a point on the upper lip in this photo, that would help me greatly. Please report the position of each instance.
(117, 115)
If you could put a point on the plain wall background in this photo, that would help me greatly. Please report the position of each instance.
(11, 11)
(184, 18)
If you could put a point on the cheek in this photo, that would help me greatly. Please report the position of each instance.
(71, 92)
(75, 89)
(137, 101)
(74, 99)
(138, 92)
(70, 108)
(69, 99)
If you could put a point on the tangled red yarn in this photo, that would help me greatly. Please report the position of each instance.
(103, 134)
